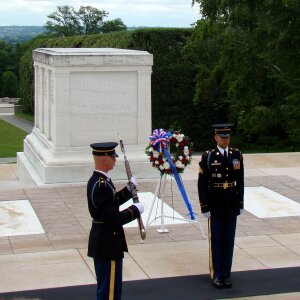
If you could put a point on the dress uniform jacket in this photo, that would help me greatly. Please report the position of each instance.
(221, 183)
(107, 238)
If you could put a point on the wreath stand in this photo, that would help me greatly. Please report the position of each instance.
(158, 195)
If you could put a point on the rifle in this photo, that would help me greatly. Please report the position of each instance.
(135, 197)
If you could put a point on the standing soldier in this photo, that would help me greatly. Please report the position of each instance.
(107, 241)
(221, 194)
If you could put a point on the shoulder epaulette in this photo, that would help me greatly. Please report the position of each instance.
(102, 182)
(208, 151)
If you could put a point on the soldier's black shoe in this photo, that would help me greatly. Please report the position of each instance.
(227, 283)
(217, 283)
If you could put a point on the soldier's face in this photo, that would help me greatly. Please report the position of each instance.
(111, 161)
(222, 142)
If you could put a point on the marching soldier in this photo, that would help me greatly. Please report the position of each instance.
(107, 241)
(221, 194)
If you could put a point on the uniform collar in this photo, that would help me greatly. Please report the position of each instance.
(221, 150)
(105, 174)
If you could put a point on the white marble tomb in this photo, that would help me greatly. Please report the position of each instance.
(83, 96)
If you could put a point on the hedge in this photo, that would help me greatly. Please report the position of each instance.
(173, 78)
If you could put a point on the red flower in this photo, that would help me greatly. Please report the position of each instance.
(158, 161)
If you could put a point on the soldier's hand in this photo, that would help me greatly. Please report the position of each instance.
(207, 214)
(134, 182)
(140, 207)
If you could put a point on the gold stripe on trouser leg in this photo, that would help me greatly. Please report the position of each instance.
(211, 267)
(112, 279)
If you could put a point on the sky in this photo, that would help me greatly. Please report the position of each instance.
(152, 13)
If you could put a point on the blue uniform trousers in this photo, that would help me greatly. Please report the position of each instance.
(221, 244)
(109, 279)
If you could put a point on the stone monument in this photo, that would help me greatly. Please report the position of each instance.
(83, 96)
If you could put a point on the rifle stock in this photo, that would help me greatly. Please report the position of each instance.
(135, 197)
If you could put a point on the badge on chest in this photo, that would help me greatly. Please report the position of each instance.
(236, 164)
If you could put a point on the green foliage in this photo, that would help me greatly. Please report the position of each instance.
(66, 21)
(10, 84)
(91, 18)
(239, 64)
(172, 80)
(113, 25)
(9, 69)
(14, 35)
(27, 73)
(26, 116)
(247, 55)
(11, 140)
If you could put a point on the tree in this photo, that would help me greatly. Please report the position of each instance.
(92, 19)
(254, 47)
(64, 21)
(87, 20)
(113, 25)
(10, 84)
(9, 62)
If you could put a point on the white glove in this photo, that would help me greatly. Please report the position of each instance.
(241, 211)
(207, 214)
(139, 206)
(134, 182)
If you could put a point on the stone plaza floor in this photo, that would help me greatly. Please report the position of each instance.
(50, 250)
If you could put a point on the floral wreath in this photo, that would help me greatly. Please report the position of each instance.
(181, 157)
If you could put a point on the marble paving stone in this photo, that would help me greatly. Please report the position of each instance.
(254, 173)
(30, 243)
(275, 257)
(161, 213)
(7, 172)
(88, 260)
(288, 296)
(18, 218)
(14, 194)
(5, 247)
(287, 238)
(243, 261)
(165, 260)
(157, 238)
(68, 241)
(255, 241)
(186, 230)
(295, 249)
(132, 271)
(255, 226)
(43, 270)
(265, 203)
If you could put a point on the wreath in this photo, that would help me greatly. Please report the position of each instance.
(181, 157)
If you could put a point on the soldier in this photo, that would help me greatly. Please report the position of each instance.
(107, 241)
(221, 194)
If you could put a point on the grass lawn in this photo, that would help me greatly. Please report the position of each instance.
(11, 140)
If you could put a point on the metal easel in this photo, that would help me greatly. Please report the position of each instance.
(161, 184)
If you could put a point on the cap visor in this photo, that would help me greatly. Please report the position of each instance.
(226, 135)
